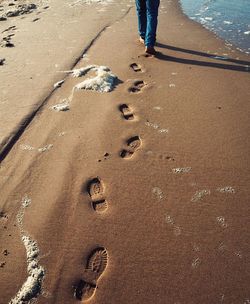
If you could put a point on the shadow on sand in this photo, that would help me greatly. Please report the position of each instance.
(239, 65)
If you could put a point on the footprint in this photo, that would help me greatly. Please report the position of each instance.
(126, 112)
(3, 216)
(11, 28)
(137, 86)
(2, 264)
(5, 252)
(133, 144)
(95, 190)
(84, 291)
(96, 265)
(6, 42)
(97, 262)
(135, 67)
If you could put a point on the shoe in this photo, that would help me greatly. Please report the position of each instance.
(141, 40)
(150, 50)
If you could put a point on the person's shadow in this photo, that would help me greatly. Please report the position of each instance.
(239, 65)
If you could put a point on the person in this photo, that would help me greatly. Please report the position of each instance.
(147, 12)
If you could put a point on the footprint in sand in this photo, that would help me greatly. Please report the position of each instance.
(97, 262)
(2, 264)
(136, 67)
(133, 144)
(96, 191)
(126, 111)
(11, 28)
(6, 42)
(137, 86)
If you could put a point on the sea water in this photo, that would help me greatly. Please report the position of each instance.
(229, 19)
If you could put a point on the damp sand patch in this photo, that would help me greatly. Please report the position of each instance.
(32, 287)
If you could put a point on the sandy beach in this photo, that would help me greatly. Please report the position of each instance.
(124, 178)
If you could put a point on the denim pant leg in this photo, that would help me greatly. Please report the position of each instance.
(152, 15)
(142, 17)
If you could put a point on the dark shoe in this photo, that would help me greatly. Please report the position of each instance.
(150, 50)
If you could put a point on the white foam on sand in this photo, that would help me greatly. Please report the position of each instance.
(157, 108)
(156, 127)
(104, 81)
(63, 106)
(62, 133)
(33, 284)
(27, 147)
(221, 221)
(170, 221)
(227, 189)
(82, 71)
(199, 195)
(196, 262)
(45, 148)
(172, 85)
(58, 84)
(181, 170)
(158, 193)
(85, 57)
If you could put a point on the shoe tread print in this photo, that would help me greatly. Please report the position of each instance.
(98, 261)
(96, 265)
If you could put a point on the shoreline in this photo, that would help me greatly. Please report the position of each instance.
(227, 42)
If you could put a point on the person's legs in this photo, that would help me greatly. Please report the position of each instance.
(142, 17)
(152, 15)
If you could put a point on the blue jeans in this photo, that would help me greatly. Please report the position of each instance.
(147, 12)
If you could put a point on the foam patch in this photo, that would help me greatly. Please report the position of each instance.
(32, 287)
(104, 81)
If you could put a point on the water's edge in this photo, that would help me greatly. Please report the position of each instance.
(229, 43)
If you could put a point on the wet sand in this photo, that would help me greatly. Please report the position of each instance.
(139, 195)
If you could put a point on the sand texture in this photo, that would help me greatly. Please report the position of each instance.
(124, 178)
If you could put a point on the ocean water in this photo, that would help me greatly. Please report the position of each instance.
(229, 19)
